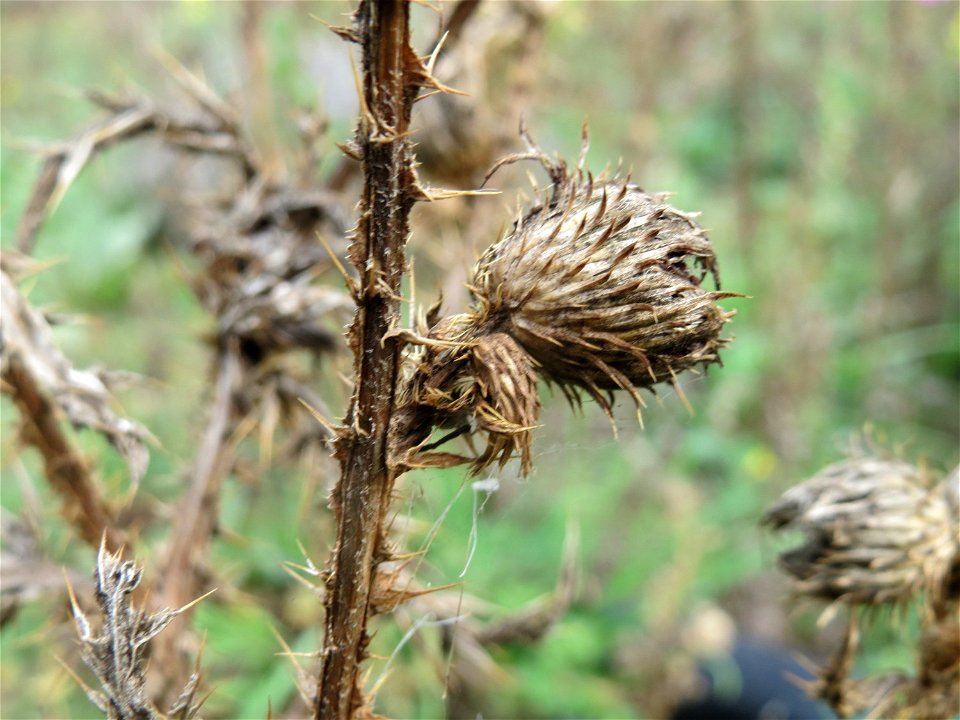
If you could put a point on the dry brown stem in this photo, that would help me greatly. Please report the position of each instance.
(392, 75)
(834, 683)
(68, 474)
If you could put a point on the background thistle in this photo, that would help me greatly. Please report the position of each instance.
(875, 530)
(879, 531)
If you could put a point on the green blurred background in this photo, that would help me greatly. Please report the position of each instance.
(820, 142)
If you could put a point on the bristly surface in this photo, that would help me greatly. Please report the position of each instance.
(507, 406)
(602, 286)
(876, 532)
(118, 654)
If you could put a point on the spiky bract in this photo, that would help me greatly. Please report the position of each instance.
(507, 406)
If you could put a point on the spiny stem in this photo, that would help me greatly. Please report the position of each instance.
(361, 497)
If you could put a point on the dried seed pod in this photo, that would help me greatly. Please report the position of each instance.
(875, 530)
(602, 286)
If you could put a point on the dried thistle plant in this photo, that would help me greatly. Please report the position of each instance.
(881, 532)
(597, 288)
(260, 266)
(118, 653)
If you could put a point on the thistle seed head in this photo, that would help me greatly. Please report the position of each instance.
(876, 532)
(603, 287)
(599, 287)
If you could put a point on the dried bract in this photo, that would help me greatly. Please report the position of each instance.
(507, 405)
(876, 532)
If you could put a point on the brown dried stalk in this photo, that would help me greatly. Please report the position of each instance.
(185, 572)
(392, 76)
(68, 474)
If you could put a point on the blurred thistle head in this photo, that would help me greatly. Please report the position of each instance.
(876, 530)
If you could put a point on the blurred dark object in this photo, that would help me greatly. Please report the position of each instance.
(753, 680)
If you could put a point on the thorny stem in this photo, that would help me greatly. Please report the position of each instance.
(361, 498)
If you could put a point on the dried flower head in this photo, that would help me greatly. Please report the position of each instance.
(602, 286)
(876, 532)
(598, 288)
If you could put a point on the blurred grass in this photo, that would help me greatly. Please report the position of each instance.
(828, 180)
